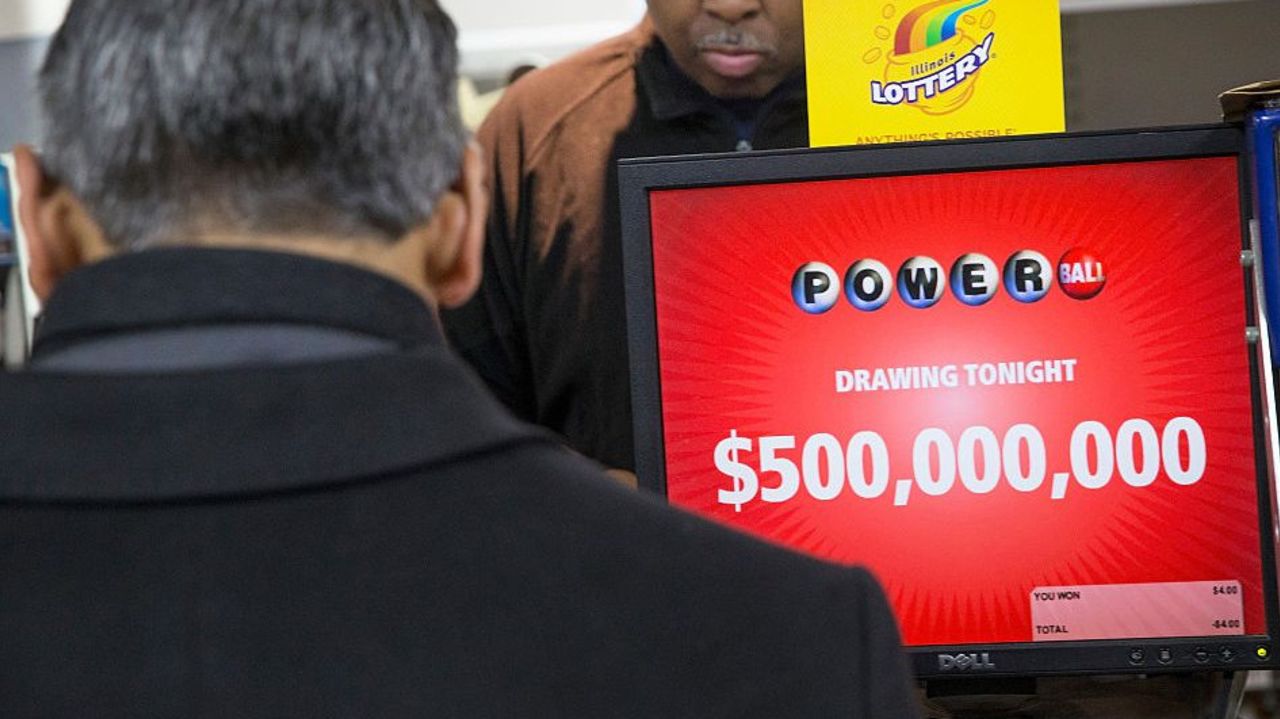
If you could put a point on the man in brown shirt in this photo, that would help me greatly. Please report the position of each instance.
(547, 330)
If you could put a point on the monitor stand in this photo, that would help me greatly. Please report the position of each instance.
(1209, 695)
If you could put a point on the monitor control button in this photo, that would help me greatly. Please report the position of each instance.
(1227, 654)
(1165, 656)
(1201, 655)
(1137, 656)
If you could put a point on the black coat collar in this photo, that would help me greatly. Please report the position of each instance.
(257, 430)
(165, 288)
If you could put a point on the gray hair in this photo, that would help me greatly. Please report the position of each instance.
(333, 117)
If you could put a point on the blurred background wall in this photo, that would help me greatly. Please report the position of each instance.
(1137, 64)
(24, 26)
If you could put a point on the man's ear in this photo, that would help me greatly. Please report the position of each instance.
(456, 259)
(60, 234)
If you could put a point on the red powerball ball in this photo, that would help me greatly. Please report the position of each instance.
(1081, 274)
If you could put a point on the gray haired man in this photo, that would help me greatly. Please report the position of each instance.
(244, 475)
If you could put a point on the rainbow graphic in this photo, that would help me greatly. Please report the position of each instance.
(931, 23)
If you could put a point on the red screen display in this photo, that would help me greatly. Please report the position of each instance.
(1056, 444)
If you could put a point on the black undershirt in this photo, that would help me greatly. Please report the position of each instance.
(744, 114)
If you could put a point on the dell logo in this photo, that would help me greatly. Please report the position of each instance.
(965, 662)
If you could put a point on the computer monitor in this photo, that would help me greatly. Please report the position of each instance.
(18, 303)
(1017, 379)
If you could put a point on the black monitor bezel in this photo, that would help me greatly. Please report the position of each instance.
(637, 177)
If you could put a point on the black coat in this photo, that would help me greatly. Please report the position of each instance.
(370, 536)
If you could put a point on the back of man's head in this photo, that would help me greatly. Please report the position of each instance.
(172, 118)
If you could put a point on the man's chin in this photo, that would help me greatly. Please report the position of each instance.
(738, 88)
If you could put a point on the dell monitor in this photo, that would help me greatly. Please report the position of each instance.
(1020, 380)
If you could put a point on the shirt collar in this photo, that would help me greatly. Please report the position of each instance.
(673, 94)
(182, 287)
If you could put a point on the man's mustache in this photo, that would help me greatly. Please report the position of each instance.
(731, 39)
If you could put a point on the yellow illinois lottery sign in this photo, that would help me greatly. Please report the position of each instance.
(910, 70)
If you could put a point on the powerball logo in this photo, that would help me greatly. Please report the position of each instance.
(935, 56)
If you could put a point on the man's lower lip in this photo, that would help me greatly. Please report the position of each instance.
(732, 65)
